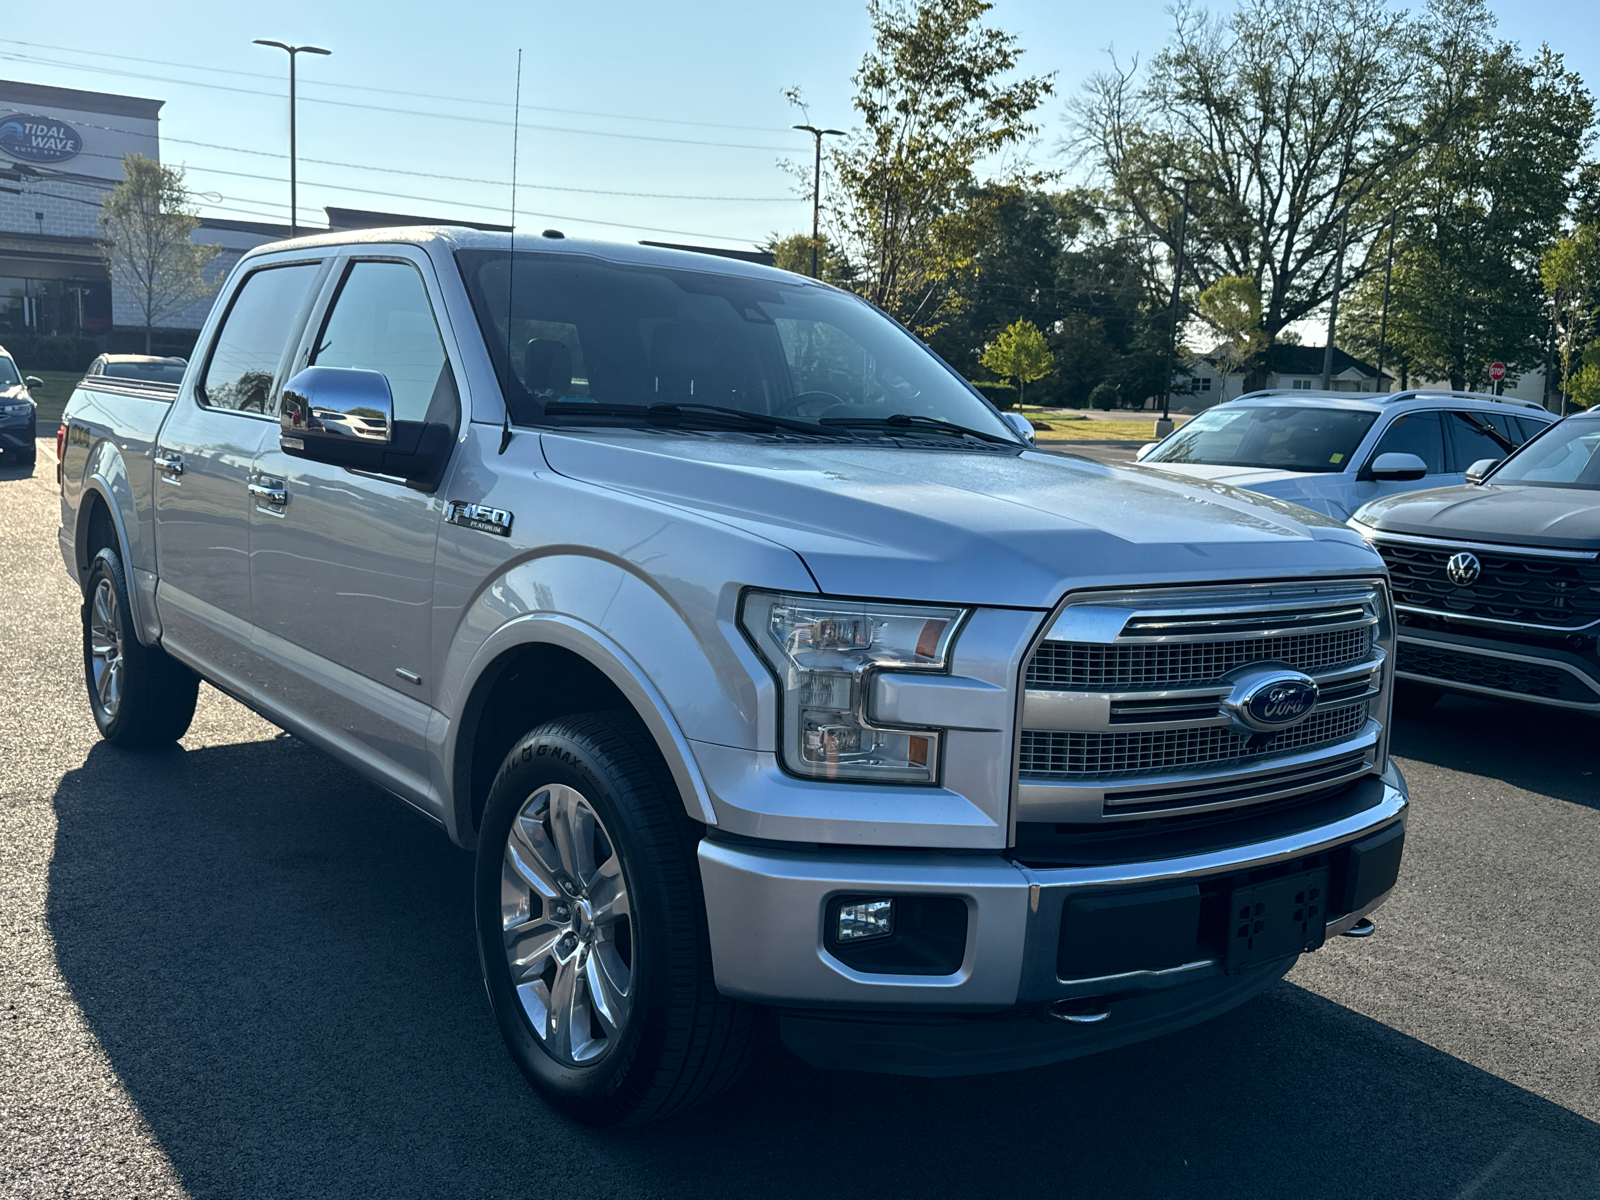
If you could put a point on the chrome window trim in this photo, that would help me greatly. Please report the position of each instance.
(1497, 622)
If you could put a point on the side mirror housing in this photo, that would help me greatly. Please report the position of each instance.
(1395, 467)
(1145, 449)
(344, 416)
(32, 381)
(1479, 470)
(1021, 426)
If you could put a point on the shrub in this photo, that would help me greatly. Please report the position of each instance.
(1105, 397)
(1001, 395)
(51, 351)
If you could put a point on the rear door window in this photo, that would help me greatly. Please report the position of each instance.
(265, 311)
(1476, 435)
(1416, 433)
(381, 321)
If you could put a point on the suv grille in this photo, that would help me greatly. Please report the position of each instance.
(1050, 752)
(1497, 674)
(1076, 665)
(1533, 591)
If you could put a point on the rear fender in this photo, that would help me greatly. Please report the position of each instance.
(106, 481)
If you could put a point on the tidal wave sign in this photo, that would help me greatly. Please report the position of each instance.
(30, 138)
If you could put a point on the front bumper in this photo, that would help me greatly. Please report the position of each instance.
(1511, 670)
(18, 434)
(766, 908)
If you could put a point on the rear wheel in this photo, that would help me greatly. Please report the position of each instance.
(592, 932)
(140, 695)
(1412, 699)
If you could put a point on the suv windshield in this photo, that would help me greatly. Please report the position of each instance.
(150, 372)
(8, 372)
(1290, 438)
(1567, 456)
(589, 340)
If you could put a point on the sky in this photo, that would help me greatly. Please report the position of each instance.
(638, 120)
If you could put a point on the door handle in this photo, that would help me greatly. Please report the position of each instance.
(275, 494)
(170, 466)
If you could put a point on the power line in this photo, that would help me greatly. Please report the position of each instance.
(358, 87)
(403, 112)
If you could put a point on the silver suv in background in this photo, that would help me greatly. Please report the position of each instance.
(1335, 451)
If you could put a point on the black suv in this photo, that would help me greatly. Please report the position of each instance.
(19, 417)
(1497, 582)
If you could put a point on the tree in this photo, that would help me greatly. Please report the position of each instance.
(934, 101)
(1482, 204)
(793, 253)
(1019, 353)
(1285, 117)
(1570, 272)
(1231, 308)
(147, 220)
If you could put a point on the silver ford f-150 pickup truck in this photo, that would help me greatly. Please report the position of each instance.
(767, 669)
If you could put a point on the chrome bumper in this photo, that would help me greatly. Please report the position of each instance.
(765, 908)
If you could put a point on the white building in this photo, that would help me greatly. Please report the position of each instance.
(1292, 367)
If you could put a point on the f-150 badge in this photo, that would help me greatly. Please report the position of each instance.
(479, 516)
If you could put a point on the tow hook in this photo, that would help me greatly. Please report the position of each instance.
(1362, 928)
(1080, 1012)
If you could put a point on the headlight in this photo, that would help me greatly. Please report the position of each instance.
(824, 654)
(16, 410)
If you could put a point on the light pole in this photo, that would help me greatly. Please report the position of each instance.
(816, 188)
(1165, 425)
(291, 51)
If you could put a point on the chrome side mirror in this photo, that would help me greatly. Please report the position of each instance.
(1479, 471)
(344, 404)
(1021, 426)
(1396, 467)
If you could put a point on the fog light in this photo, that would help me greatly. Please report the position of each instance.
(865, 919)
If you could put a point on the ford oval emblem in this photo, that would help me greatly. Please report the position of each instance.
(35, 139)
(1268, 701)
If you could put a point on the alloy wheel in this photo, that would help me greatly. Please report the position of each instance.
(105, 648)
(567, 925)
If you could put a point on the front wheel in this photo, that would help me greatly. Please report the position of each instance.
(141, 696)
(592, 931)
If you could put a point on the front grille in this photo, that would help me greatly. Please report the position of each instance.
(1079, 665)
(1063, 754)
(1534, 591)
(1500, 674)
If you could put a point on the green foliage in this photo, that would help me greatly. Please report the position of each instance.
(1020, 353)
(147, 220)
(1286, 114)
(1483, 203)
(1001, 395)
(935, 100)
(793, 253)
(36, 352)
(1570, 273)
(1231, 307)
(1105, 396)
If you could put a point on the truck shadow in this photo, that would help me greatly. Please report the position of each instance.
(1493, 738)
(278, 961)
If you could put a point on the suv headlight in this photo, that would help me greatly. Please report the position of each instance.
(16, 410)
(824, 653)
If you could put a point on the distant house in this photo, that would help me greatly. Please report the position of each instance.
(1289, 367)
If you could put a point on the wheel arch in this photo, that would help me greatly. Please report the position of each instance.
(595, 673)
(100, 523)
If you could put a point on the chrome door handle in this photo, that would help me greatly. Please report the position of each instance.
(170, 465)
(274, 494)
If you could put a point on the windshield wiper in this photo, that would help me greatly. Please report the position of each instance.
(916, 422)
(674, 413)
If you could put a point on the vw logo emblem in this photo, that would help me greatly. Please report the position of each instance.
(1463, 569)
(1267, 701)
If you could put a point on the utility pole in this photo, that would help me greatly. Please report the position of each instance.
(294, 199)
(1164, 426)
(1333, 307)
(816, 188)
(1388, 278)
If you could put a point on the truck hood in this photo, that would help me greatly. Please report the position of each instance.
(960, 527)
(1558, 517)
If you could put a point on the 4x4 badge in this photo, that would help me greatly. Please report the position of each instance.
(479, 516)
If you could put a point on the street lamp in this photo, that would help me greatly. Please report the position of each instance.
(816, 188)
(291, 51)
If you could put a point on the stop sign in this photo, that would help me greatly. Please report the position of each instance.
(1497, 371)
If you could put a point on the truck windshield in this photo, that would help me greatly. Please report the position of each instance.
(1567, 456)
(618, 339)
(1287, 438)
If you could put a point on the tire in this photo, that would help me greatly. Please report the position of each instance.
(611, 1011)
(141, 697)
(1413, 699)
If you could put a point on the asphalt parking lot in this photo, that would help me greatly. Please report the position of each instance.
(235, 969)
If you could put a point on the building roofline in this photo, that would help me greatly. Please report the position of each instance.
(16, 93)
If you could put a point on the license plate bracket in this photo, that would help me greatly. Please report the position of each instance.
(1277, 918)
